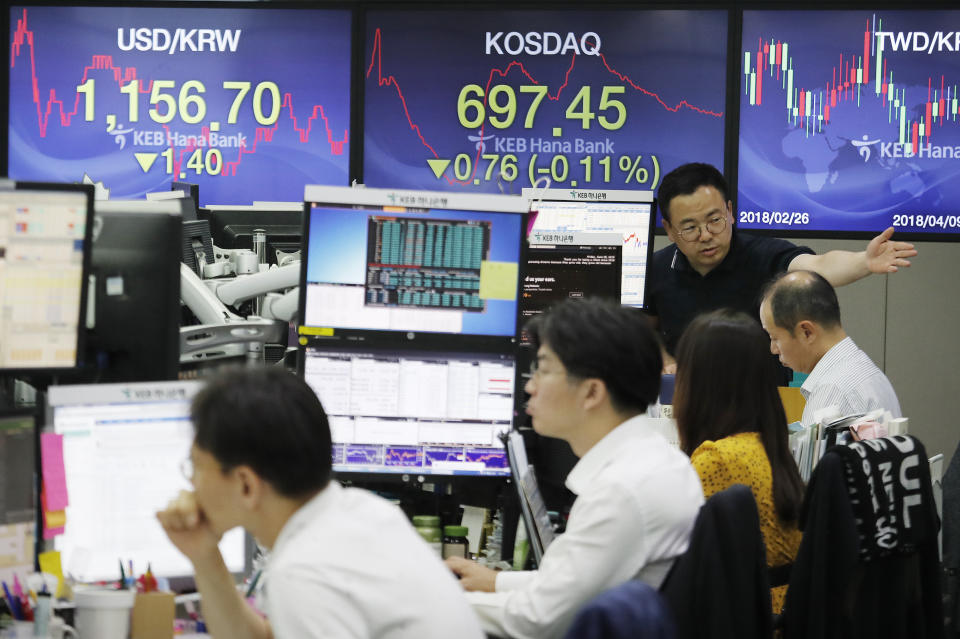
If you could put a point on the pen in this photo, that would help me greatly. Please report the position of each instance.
(253, 584)
(26, 608)
(150, 582)
(14, 604)
(123, 577)
(24, 601)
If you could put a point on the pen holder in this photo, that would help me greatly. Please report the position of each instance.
(104, 614)
(153, 616)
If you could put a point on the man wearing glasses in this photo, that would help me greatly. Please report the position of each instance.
(597, 368)
(343, 562)
(712, 265)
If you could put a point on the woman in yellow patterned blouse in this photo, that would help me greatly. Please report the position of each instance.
(732, 424)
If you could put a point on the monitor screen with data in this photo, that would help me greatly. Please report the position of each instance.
(44, 255)
(562, 219)
(122, 449)
(417, 412)
(412, 262)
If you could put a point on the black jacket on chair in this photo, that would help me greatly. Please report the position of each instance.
(835, 593)
(719, 589)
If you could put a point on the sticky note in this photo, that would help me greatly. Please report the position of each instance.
(56, 518)
(498, 280)
(50, 563)
(54, 475)
(53, 521)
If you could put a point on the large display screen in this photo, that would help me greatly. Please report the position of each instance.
(422, 412)
(462, 100)
(411, 261)
(250, 104)
(849, 121)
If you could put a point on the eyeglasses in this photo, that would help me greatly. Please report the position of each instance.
(715, 225)
(537, 372)
(186, 469)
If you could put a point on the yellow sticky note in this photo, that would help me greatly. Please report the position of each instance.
(56, 518)
(50, 563)
(498, 280)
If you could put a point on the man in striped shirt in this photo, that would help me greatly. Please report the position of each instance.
(801, 314)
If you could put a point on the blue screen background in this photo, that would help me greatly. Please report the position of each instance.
(417, 62)
(305, 52)
(842, 177)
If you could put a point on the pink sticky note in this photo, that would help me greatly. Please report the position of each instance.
(50, 533)
(54, 475)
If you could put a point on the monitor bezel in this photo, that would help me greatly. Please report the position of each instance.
(88, 191)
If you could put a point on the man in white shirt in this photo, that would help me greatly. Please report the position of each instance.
(343, 562)
(801, 314)
(597, 368)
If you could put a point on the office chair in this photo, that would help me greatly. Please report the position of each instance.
(719, 587)
(868, 562)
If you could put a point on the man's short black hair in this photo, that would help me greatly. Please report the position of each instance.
(267, 419)
(602, 339)
(807, 297)
(685, 180)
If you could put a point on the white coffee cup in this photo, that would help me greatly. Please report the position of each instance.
(103, 614)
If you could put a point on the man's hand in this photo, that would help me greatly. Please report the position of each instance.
(188, 528)
(473, 576)
(886, 256)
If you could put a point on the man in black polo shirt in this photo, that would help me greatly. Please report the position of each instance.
(712, 265)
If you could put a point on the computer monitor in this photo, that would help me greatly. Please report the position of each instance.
(407, 264)
(122, 449)
(563, 218)
(135, 271)
(18, 461)
(399, 411)
(44, 258)
(232, 227)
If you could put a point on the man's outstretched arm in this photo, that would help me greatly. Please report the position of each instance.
(882, 255)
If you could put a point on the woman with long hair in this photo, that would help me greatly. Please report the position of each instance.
(733, 427)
